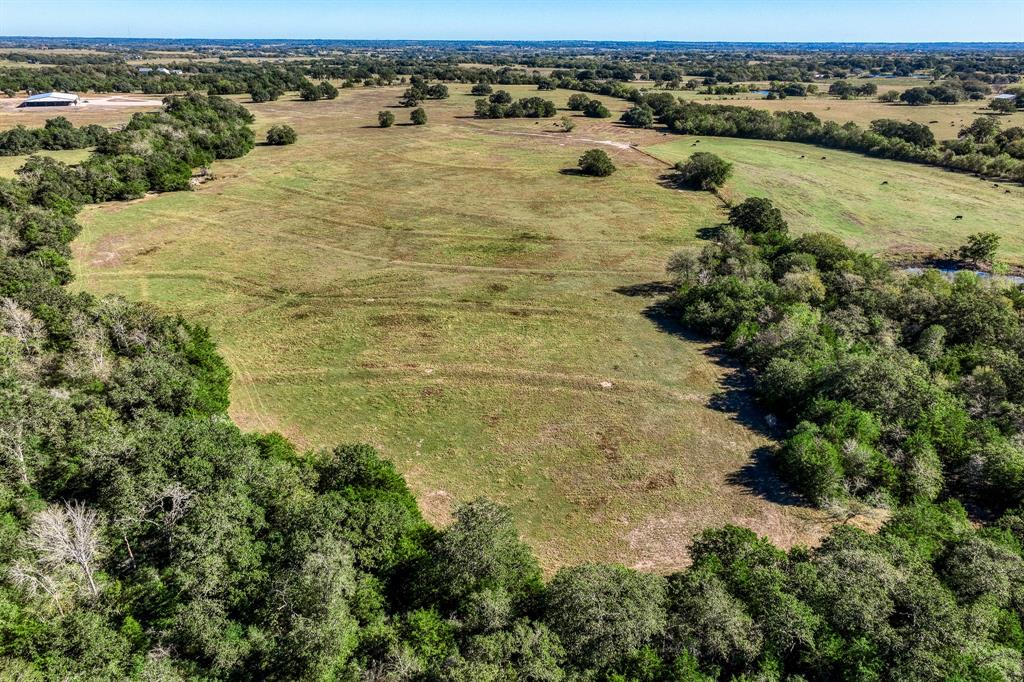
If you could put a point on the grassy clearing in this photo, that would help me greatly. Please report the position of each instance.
(9, 164)
(843, 193)
(445, 293)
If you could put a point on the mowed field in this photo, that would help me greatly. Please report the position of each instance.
(842, 192)
(447, 294)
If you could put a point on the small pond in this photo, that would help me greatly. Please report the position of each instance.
(950, 273)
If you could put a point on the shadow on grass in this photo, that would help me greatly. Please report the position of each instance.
(573, 171)
(735, 397)
(760, 477)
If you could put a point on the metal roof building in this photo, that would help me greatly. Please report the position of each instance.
(51, 99)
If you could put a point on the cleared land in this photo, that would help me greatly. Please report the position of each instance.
(842, 192)
(445, 293)
(103, 109)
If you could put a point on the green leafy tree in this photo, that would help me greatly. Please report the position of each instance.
(327, 90)
(418, 116)
(385, 119)
(596, 109)
(641, 116)
(704, 170)
(757, 215)
(578, 101)
(981, 247)
(602, 614)
(281, 135)
(597, 163)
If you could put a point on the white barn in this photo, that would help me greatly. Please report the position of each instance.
(52, 99)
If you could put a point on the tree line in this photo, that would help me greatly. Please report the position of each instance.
(981, 147)
(56, 134)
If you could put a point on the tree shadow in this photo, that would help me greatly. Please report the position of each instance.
(761, 477)
(573, 171)
(646, 289)
(735, 397)
(712, 233)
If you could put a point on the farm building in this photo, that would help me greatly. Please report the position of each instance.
(1006, 95)
(51, 99)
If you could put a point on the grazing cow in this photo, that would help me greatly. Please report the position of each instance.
(823, 158)
(801, 156)
(1006, 191)
(959, 217)
(994, 184)
(885, 182)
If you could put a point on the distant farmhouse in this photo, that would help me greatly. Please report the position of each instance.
(52, 99)
(162, 70)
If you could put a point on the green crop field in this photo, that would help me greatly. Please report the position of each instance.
(842, 192)
(447, 293)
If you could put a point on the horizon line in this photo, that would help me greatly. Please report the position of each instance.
(523, 40)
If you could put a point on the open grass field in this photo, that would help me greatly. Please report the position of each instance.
(843, 193)
(447, 294)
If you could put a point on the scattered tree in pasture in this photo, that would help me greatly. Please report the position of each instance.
(385, 119)
(281, 135)
(757, 215)
(704, 170)
(327, 90)
(578, 101)
(981, 247)
(596, 109)
(418, 116)
(597, 163)
(500, 97)
(1003, 106)
(640, 116)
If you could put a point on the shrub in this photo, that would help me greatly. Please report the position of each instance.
(481, 89)
(578, 101)
(596, 109)
(641, 116)
(597, 163)
(980, 247)
(418, 116)
(281, 135)
(385, 119)
(704, 170)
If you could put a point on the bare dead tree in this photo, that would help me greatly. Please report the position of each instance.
(67, 536)
(19, 323)
(12, 442)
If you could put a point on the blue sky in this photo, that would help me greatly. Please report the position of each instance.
(687, 20)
